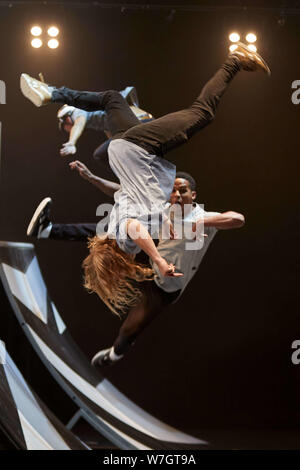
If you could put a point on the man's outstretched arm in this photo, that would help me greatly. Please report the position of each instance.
(69, 148)
(106, 186)
(225, 221)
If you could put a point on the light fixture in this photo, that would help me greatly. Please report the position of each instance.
(36, 43)
(252, 47)
(251, 37)
(36, 30)
(233, 47)
(234, 37)
(53, 43)
(53, 31)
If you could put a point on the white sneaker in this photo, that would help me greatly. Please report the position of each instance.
(39, 93)
(102, 358)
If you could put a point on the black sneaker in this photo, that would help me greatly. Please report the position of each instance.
(102, 358)
(40, 220)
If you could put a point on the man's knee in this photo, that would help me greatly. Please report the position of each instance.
(101, 154)
(112, 96)
(210, 115)
(98, 154)
(204, 111)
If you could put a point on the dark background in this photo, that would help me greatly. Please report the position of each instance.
(220, 357)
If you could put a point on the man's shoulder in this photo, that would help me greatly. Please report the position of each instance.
(201, 209)
(78, 112)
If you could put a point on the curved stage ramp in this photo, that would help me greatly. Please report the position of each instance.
(25, 419)
(115, 416)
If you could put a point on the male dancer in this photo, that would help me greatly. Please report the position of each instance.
(74, 121)
(169, 131)
(162, 291)
(138, 153)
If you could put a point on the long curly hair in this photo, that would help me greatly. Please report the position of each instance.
(112, 274)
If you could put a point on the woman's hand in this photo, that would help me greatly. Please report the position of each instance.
(167, 269)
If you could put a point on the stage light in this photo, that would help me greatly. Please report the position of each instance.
(251, 37)
(53, 31)
(233, 47)
(36, 30)
(252, 47)
(53, 43)
(36, 43)
(234, 37)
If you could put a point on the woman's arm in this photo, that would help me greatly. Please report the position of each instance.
(140, 235)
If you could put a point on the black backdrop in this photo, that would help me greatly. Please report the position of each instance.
(220, 357)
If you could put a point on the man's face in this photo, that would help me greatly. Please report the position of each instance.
(68, 124)
(182, 193)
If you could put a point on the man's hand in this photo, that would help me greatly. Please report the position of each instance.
(167, 269)
(82, 169)
(106, 186)
(68, 149)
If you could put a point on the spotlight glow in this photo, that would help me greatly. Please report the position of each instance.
(36, 43)
(36, 30)
(252, 47)
(233, 47)
(53, 31)
(234, 37)
(53, 43)
(251, 37)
